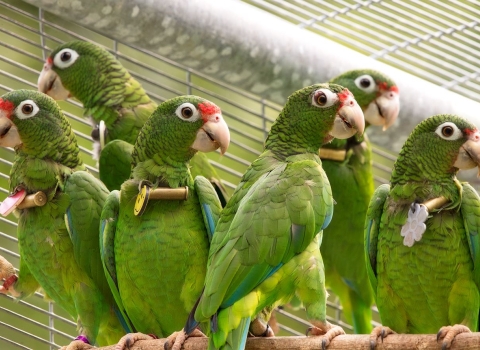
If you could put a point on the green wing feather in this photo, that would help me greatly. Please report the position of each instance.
(276, 219)
(209, 202)
(87, 195)
(200, 165)
(108, 225)
(372, 226)
(471, 215)
(114, 163)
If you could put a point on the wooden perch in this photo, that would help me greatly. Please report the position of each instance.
(465, 341)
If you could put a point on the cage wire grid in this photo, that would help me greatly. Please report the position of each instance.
(436, 40)
(28, 35)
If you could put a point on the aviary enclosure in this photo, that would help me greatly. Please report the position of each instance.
(432, 47)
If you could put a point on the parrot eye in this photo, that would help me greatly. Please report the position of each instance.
(26, 109)
(187, 111)
(449, 131)
(65, 58)
(324, 98)
(366, 83)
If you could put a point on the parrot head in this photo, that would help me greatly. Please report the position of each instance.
(441, 144)
(315, 115)
(75, 69)
(33, 122)
(180, 127)
(376, 94)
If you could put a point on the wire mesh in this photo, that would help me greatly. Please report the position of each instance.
(434, 40)
(28, 34)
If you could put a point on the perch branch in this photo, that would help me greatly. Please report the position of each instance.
(465, 341)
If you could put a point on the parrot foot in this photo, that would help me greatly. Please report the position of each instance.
(8, 276)
(379, 332)
(77, 345)
(128, 340)
(327, 330)
(258, 328)
(272, 322)
(176, 339)
(448, 334)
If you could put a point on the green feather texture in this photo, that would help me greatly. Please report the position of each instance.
(265, 247)
(63, 259)
(157, 261)
(106, 89)
(434, 282)
(110, 94)
(352, 187)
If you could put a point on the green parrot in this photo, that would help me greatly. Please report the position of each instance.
(421, 235)
(58, 242)
(115, 102)
(156, 259)
(348, 165)
(265, 247)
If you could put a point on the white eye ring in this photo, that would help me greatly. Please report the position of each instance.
(69, 58)
(187, 111)
(26, 109)
(449, 131)
(372, 86)
(324, 98)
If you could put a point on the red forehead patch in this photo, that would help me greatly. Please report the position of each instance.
(470, 131)
(208, 108)
(6, 106)
(383, 86)
(344, 95)
(49, 60)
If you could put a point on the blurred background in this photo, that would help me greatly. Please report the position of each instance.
(247, 57)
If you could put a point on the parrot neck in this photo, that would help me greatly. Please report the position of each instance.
(413, 180)
(117, 90)
(163, 169)
(62, 149)
(288, 140)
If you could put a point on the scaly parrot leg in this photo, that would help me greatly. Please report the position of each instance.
(377, 332)
(176, 339)
(258, 328)
(128, 340)
(77, 345)
(448, 334)
(327, 330)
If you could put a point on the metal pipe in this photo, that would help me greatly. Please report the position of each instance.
(243, 46)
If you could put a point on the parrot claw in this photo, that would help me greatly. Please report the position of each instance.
(448, 334)
(324, 344)
(77, 345)
(379, 332)
(176, 340)
(327, 331)
(129, 339)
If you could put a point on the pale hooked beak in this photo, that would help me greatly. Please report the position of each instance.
(384, 109)
(9, 136)
(50, 83)
(349, 119)
(212, 135)
(469, 153)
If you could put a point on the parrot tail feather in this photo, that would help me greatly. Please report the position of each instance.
(235, 340)
(191, 322)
